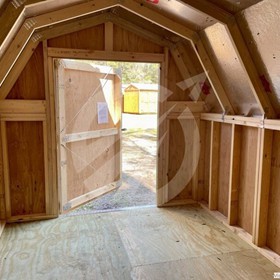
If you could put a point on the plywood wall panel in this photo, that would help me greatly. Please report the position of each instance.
(260, 27)
(224, 168)
(90, 38)
(26, 167)
(129, 42)
(247, 177)
(180, 171)
(273, 230)
(30, 84)
(176, 93)
(230, 70)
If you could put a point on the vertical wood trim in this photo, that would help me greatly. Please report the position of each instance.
(46, 167)
(262, 187)
(62, 153)
(202, 160)
(162, 195)
(195, 155)
(234, 174)
(109, 36)
(51, 194)
(6, 169)
(214, 165)
(118, 118)
(2, 184)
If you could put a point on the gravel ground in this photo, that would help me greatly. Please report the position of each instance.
(138, 177)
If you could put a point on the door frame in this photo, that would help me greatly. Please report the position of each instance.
(162, 150)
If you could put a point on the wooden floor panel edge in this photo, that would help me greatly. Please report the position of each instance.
(265, 251)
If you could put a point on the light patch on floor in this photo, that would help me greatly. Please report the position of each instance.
(149, 243)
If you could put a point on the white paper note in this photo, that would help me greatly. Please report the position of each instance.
(103, 112)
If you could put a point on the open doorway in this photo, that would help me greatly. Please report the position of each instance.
(137, 184)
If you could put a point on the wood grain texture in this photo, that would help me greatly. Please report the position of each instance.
(273, 227)
(26, 167)
(175, 77)
(127, 41)
(247, 178)
(224, 168)
(207, 161)
(81, 39)
(151, 243)
(182, 164)
(30, 84)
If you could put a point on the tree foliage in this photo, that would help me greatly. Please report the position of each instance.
(132, 72)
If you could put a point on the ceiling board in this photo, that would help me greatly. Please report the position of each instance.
(182, 13)
(234, 6)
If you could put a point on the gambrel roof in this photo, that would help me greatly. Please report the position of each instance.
(235, 41)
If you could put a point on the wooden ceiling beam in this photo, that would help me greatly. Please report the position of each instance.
(31, 24)
(159, 19)
(213, 77)
(43, 34)
(76, 11)
(210, 9)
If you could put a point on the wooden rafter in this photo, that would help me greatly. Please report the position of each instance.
(43, 34)
(250, 69)
(33, 23)
(210, 9)
(76, 11)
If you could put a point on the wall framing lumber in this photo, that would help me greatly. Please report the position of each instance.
(109, 36)
(213, 77)
(51, 197)
(22, 106)
(250, 69)
(129, 26)
(258, 122)
(2, 185)
(18, 68)
(183, 69)
(265, 138)
(210, 9)
(214, 165)
(234, 174)
(159, 19)
(163, 135)
(51, 18)
(105, 55)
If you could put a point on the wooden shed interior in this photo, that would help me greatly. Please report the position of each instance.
(219, 105)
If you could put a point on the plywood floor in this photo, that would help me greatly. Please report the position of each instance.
(149, 243)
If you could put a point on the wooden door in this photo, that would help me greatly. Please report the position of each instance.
(89, 126)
